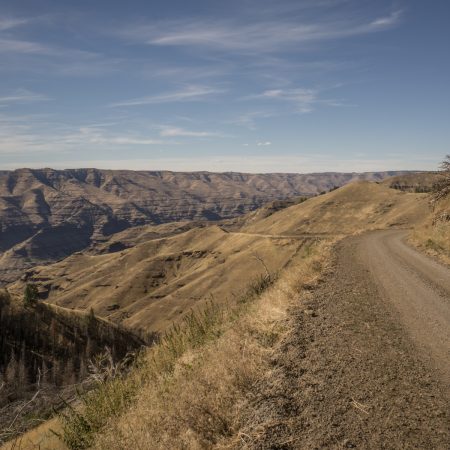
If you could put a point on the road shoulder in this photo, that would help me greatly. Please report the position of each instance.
(348, 376)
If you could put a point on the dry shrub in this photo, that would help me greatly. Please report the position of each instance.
(434, 239)
(433, 236)
(441, 188)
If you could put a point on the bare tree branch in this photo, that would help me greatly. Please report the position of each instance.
(441, 187)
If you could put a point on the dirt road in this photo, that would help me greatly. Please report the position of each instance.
(418, 288)
(366, 364)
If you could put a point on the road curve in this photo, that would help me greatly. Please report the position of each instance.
(418, 288)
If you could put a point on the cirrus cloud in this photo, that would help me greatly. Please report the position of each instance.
(189, 93)
(263, 36)
(167, 131)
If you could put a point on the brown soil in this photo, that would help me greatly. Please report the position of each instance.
(366, 364)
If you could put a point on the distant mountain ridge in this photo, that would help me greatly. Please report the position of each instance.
(47, 214)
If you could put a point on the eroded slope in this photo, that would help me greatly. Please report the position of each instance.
(148, 280)
(46, 215)
(157, 281)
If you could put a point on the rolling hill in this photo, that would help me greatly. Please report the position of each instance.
(145, 280)
(355, 207)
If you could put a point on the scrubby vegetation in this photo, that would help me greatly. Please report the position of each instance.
(434, 235)
(411, 188)
(117, 389)
(193, 389)
(45, 351)
(441, 188)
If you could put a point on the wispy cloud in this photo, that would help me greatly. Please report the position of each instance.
(181, 132)
(385, 22)
(33, 134)
(22, 96)
(304, 99)
(264, 144)
(249, 119)
(48, 57)
(188, 94)
(7, 23)
(263, 36)
(95, 135)
(27, 47)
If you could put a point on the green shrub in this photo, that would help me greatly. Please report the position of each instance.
(31, 295)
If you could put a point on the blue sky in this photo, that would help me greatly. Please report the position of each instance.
(249, 85)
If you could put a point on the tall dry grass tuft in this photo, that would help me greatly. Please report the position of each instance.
(433, 236)
(434, 239)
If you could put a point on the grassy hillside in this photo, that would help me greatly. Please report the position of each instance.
(146, 281)
(421, 182)
(353, 208)
(193, 389)
(159, 280)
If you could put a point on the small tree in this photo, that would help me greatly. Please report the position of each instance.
(441, 187)
(91, 322)
(5, 298)
(31, 295)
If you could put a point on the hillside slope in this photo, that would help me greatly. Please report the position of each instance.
(149, 281)
(46, 215)
(157, 281)
(433, 236)
(150, 277)
(355, 207)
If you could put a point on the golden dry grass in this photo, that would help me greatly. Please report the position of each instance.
(355, 207)
(158, 281)
(200, 403)
(433, 235)
(39, 438)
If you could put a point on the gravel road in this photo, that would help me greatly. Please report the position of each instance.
(366, 364)
(419, 290)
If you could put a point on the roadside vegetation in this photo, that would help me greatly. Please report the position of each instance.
(441, 188)
(195, 387)
(434, 235)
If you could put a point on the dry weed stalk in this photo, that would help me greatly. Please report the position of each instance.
(441, 188)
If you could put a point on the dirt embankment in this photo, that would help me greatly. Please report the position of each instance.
(367, 362)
